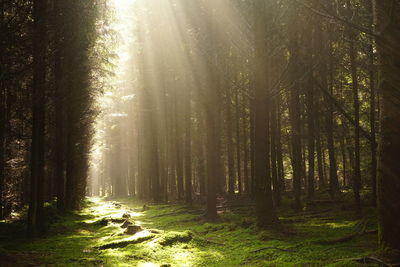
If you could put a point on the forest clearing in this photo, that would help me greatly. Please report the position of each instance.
(177, 235)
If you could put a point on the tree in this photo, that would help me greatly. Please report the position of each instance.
(262, 176)
(294, 106)
(388, 44)
(36, 218)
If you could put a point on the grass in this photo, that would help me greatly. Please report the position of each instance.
(176, 235)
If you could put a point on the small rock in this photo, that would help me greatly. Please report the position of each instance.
(145, 208)
(133, 229)
(126, 215)
(117, 205)
(118, 220)
(126, 224)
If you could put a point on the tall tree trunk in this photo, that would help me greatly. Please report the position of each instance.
(36, 218)
(3, 110)
(311, 141)
(238, 148)
(320, 47)
(188, 147)
(231, 163)
(333, 177)
(356, 104)
(279, 152)
(262, 174)
(245, 150)
(213, 129)
(294, 109)
(274, 166)
(372, 81)
(59, 105)
(388, 45)
(178, 148)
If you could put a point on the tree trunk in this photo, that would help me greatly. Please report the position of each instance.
(356, 105)
(265, 209)
(36, 218)
(388, 46)
(274, 166)
(231, 163)
(238, 152)
(311, 140)
(294, 110)
(188, 147)
(59, 106)
(333, 178)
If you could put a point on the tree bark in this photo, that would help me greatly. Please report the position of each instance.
(294, 109)
(388, 46)
(36, 218)
(265, 209)
(356, 105)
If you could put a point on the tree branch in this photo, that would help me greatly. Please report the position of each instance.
(342, 111)
(338, 18)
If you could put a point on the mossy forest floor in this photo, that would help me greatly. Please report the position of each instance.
(176, 235)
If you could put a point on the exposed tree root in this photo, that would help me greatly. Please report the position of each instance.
(210, 241)
(177, 213)
(280, 249)
(124, 243)
(348, 237)
(370, 259)
(308, 213)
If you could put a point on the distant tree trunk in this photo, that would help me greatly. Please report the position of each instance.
(212, 120)
(311, 140)
(231, 163)
(59, 106)
(356, 104)
(274, 166)
(318, 146)
(294, 109)
(344, 158)
(333, 178)
(36, 218)
(252, 147)
(238, 148)
(153, 162)
(279, 153)
(372, 81)
(188, 147)
(202, 172)
(265, 209)
(212, 158)
(2, 143)
(320, 47)
(388, 46)
(246, 150)
(178, 149)
(200, 148)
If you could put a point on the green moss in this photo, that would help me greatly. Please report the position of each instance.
(171, 238)
(180, 237)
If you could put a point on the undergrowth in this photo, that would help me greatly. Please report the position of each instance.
(176, 235)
